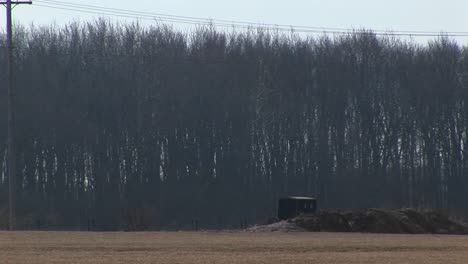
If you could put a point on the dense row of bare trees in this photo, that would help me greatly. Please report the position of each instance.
(114, 120)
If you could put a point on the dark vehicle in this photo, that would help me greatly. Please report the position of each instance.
(290, 207)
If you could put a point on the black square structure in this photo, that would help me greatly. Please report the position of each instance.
(290, 207)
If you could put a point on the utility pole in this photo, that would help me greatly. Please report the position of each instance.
(11, 114)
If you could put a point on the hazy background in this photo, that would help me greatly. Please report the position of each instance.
(131, 128)
(397, 15)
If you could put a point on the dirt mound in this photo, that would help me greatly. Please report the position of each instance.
(402, 221)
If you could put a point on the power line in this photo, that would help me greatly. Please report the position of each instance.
(109, 14)
(184, 21)
(233, 21)
(120, 13)
(190, 18)
(93, 9)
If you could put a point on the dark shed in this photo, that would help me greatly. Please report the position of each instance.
(290, 207)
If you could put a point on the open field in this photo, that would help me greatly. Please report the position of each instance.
(215, 247)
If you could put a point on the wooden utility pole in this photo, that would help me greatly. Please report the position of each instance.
(11, 114)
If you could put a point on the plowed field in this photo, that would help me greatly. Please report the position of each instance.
(235, 247)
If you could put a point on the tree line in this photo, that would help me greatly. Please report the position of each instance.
(150, 127)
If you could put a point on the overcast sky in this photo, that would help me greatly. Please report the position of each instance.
(409, 15)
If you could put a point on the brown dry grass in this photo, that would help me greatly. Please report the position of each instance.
(213, 247)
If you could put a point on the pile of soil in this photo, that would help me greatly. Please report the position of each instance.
(402, 221)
